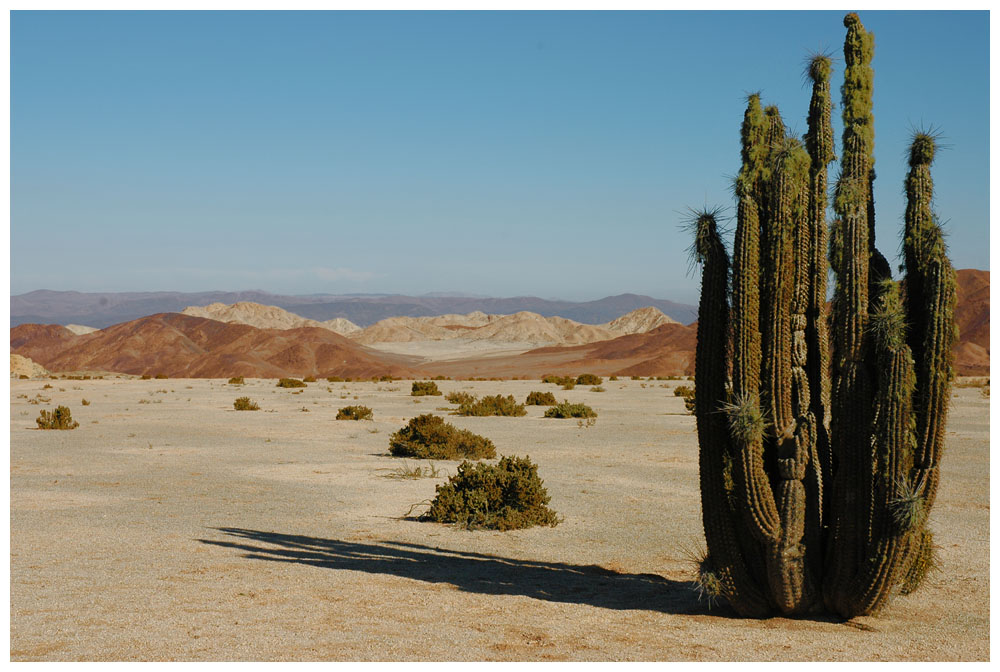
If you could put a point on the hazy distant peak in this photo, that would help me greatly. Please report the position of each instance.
(266, 317)
(640, 321)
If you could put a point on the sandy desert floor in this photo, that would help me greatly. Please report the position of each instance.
(170, 527)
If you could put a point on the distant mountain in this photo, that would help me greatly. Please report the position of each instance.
(266, 317)
(104, 309)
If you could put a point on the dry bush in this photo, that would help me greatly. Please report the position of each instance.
(430, 437)
(61, 418)
(493, 405)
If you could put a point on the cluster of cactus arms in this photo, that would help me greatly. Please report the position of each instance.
(820, 433)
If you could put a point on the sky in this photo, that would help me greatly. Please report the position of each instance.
(552, 154)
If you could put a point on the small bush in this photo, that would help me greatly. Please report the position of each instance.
(493, 405)
(160, 376)
(424, 388)
(439, 377)
(568, 410)
(22, 377)
(613, 378)
(309, 379)
(354, 413)
(688, 394)
(541, 399)
(145, 376)
(460, 398)
(558, 380)
(84, 402)
(236, 380)
(430, 437)
(335, 379)
(504, 496)
(291, 382)
(244, 404)
(61, 418)
(588, 379)
(569, 386)
(598, 389)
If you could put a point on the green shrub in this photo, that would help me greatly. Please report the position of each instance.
(354, 413)
(588, 379)
(558, 380)
(335, 379)
(569, 385)
(504, 496)
(291, 382)
(309, 379)
(541, 399)
(244, 404)
(568, 410)
(493, 405)
(237, 380)
(61, 418)
(430, 437)
(460, 398)
(424, 388)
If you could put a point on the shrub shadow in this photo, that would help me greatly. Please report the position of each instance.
(476, 572)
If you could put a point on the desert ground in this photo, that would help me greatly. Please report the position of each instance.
(168, 526)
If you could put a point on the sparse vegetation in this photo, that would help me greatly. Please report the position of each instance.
(236, 380)
(493, 405)
(423, 388)
(558, 380)
(541, 399)
(687, 392)
(504, 496)
(61, 418)
(568, 410)
(244, 404)
(84, 402)
(408, 473)
(460, 397)
(598, 388)
(430, 437)
(145, 376)
(354, 413)
(588, 379)
(291, 382)
(309, 379)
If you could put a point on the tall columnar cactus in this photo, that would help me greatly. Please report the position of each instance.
(820, 436)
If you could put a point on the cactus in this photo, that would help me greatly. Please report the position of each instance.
(820, 436)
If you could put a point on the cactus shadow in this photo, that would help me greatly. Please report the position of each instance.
(476, 572)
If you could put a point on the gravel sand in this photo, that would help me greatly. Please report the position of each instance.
(170, 527)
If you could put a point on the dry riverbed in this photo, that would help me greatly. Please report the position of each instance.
(168, 526)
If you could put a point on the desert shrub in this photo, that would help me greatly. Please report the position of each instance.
(160, 376)
(423, 388)
(61, 418)
(236, 380)
(613, 378)
(244, 404)
(46, 387)
(588, 379)
(541, 399)
(439, 377)
(145, 376)
(688, 393)
(430, 437)
(598, 388)
(493, 405)
(309, 379)
(504, 496)
(460, 398)
(568, 410)
(290, 382)
(558, 380)
(569, 385)
(636, 377)
(22, 377)
(354, 413)
(84, 402)
(384, 379)
(335, 379)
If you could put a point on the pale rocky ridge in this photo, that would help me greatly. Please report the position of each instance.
(267, 317)
(23, 366)
(80, 329)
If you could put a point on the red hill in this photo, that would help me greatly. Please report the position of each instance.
(182, 346)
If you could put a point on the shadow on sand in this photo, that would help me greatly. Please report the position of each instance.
(476, 572)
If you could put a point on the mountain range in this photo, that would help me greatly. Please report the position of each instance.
(104, 309)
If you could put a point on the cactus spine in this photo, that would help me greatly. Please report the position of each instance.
(818, 475)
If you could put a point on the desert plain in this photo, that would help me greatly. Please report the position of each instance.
(169, 526)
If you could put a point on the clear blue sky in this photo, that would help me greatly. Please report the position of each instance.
(541, 153)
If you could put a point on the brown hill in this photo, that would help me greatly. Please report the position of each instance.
(664, 351)
(972, 314)
(182, 346)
